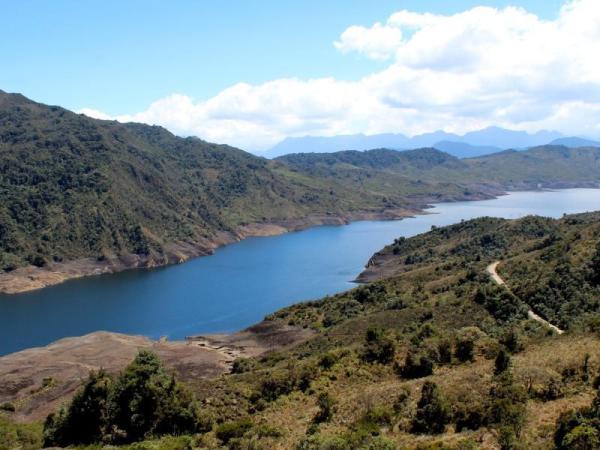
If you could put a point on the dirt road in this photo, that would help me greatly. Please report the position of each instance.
(492, 271)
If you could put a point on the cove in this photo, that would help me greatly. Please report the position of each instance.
(242, 282)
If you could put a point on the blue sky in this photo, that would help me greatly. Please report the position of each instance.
(180, 64)
(119, 56)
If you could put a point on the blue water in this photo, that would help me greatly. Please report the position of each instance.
(242, 282)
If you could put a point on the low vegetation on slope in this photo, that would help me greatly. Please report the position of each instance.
(430, 355)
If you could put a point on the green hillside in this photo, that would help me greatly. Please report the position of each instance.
(424, 170)
(433, 355)
(73, 187)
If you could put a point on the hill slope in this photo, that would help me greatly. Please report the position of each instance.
(431, 355)
(74, 187)
(84, 196)
(430, 171)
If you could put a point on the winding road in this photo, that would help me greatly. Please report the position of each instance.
(492, 271)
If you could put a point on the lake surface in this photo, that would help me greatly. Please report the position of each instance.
(242, 282)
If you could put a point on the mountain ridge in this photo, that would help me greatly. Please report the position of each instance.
(491, 137)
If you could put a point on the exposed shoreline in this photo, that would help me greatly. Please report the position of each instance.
(38, 380)
(31, 278)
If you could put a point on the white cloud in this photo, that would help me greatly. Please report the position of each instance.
(481, 67)
(377, 42)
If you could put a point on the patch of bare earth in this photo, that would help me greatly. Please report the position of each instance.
(38, 380)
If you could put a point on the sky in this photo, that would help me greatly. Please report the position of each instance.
(251, 73)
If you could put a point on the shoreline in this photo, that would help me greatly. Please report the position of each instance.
(31, 278)
(38, 380)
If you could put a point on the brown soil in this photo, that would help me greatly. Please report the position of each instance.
(38, 380)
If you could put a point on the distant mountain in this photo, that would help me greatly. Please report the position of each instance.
(505, 139)
(463, 150)
(575, 142)
(323, 144)
(479, 142)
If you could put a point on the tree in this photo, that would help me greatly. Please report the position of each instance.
(502, 362)
(432, 412)
(146, 399)
(580, 429)
(465, 349)
(85, 421)
(416, 366)
(143, 400)
(326, 405)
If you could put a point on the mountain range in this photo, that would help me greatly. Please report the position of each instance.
(475, 143)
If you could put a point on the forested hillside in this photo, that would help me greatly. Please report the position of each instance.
(74, 187)
(412, 171)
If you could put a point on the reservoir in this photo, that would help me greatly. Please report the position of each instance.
(242, 282)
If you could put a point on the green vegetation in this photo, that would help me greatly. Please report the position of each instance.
(143, 401)
(75, 187)
(430, 355)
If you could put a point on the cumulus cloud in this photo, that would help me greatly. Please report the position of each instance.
(484, 66)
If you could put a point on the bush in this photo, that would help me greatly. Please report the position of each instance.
(416, 366)
(233, 430)
(242, 365)
(579, 429)
(326, 405)
(444, 350)
(8, 407)
(86, 419)
(432, 412)
(378, 347)
(502, 362)
(275, 386)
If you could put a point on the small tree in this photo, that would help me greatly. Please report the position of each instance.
(502, 362)
(416, 366)
(465, 349)
(85, 420)
(432, 412)
(143, 400)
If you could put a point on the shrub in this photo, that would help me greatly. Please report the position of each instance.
(378, 347)
(242, 365)
(86, 419)
(465, 349)
(579, 429)
(502, 362)
(275, 386)
(416, 366)
(233, 430)
(8, 407)
(432, 412)
(444, 350)
(512, 341)
(326, 405)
